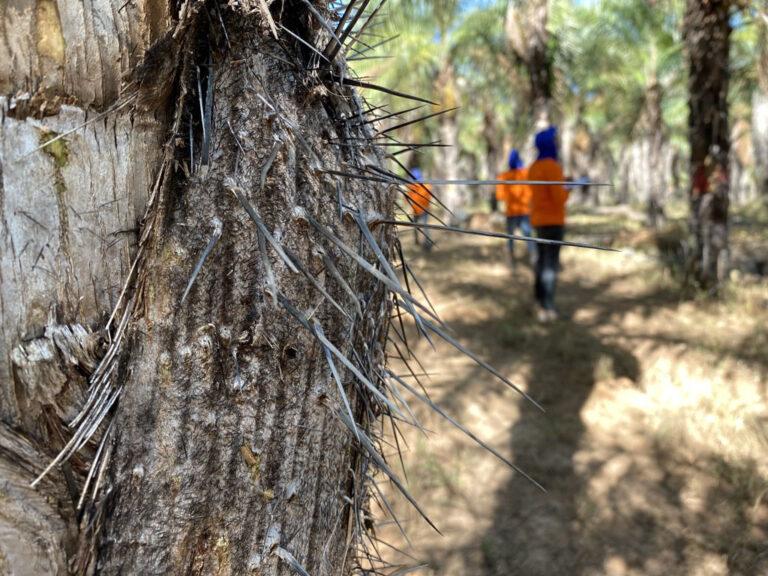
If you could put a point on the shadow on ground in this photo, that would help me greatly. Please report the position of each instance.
(629, 508)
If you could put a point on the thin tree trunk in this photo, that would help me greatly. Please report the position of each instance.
(760, 110)
(493, 153)
(653, 126)
(454, 197)
(226, 453)
(707, 38)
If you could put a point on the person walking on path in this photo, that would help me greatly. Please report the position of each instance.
(548, 218)
(517, 200)
(420, 197)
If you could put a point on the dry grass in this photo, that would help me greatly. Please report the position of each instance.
(652, 448)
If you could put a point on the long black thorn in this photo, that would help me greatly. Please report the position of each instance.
(382, 465)
(359, 35)
(365, 265)
(191, 144)
(339, 26)
(408, 366)
(362, 58)
(202, 110)
(208, 111)
(500, 235)
(304, 42)
(223, 27)
(407, 270)
(384, 262)
(217, 230)
(386, 41)
(412, 181)
(347, 29)
(466, 431)
(390, 115)
(389, 144)
(415, 120)
(371, 86)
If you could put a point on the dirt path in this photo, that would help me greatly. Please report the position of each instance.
(655, 423)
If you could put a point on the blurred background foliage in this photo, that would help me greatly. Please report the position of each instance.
(618, 81)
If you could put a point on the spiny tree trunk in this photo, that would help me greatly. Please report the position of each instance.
(707, 32)
(526, 32)
(760, 109)
(226, 453)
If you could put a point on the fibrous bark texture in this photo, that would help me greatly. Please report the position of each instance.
(228, 444)
(68, 217)
(187, 263)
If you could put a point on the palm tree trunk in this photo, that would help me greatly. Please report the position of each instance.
(493, 153)
(760, 110)
(526, 32)
(657, 175)
(68, 219)
(453, 196)
(707, 37)
(225, 453)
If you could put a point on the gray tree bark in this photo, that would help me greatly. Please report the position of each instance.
(226, 453)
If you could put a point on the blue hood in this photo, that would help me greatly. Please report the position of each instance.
(514, 160)
(546, 143)
(416, 174)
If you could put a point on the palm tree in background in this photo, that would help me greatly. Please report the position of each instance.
(528, 36)
(707, 34)
(760, 102)
(619, 75)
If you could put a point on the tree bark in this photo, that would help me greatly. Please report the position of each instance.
(526, 31)
(707, 32)
(760, 109)
(651, 145)
(226, 453)
(68, 217)
(452, 196)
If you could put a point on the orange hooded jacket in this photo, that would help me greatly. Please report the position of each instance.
(419, 197)
(547, 201)
(516, 197)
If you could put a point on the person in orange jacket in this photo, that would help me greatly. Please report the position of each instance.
(420, 197)
(517, 199)
(548, 218)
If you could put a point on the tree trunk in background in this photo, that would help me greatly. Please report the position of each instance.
(760, 110)
(494, 159)
(651, 131)
(225, 454)
(454, 197)
(707, 37)
(494, 155)
(526, 31)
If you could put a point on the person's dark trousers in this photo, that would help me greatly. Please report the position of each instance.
(547, 265)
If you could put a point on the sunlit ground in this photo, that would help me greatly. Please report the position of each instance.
(652, 446)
